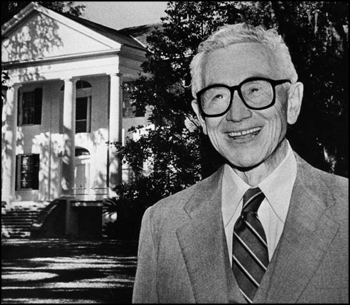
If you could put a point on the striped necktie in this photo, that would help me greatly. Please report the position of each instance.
(249, 252)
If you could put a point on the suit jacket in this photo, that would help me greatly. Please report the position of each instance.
(183, 256)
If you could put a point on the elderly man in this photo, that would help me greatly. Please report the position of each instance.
(267, 227)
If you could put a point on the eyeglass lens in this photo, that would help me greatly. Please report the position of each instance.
(256, 94)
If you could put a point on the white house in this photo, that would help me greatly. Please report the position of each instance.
(65, 101)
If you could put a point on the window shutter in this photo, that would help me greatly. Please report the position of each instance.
(35, 173)
(38, 93)
(18, 164)
(19, 108)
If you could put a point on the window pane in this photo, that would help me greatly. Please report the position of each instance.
(26, 180)
(28, 99)
(82, 114)
(28, 108)
(38, 94)
(80, 126)
(26, 165)
(81, 108)
(28, 171)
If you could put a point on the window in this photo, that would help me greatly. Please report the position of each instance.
(80, 151)
(29, 110)
(129, 108)
(27, 171)
(82, 114)
(82, 106)
(81, 171)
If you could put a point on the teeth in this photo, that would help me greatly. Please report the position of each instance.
(243, 133)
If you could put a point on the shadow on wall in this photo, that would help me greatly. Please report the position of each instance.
(36, 39)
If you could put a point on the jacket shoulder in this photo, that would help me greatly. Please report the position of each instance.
(332, 190)
(335, 184)
(179, 199)
(172, 207)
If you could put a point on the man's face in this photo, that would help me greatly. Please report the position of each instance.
(245, 137)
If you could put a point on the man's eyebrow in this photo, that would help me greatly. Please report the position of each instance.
(252, 76)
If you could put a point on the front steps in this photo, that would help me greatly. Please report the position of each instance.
(83, 219)
(17, 219)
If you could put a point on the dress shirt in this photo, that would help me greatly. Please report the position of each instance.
(272, 213)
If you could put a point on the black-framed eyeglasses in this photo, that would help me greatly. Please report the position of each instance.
(257, 93)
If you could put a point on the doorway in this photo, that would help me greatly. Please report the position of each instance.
(82, 171)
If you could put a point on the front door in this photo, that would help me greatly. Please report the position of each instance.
(82, 172)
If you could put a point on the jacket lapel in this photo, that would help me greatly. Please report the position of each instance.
(307, 235)
(203, 244)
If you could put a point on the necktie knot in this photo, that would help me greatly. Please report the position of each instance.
(252, 200)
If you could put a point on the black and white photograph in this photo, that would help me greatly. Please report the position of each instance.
(174, 152)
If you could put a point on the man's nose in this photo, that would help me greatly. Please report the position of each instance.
(238, 110)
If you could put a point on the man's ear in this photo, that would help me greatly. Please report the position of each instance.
(295, 98)
(201, 120)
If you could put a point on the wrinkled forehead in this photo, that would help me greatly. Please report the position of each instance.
(238, 61)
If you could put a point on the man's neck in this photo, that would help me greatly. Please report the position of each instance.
(258, 173)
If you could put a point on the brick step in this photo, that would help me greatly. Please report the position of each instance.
(17, 215)
(17, 223)
(16, 232)
(8, 215)
(20, 234)
(16, 211)
(17, 218)
(19, 210)
(3, 213)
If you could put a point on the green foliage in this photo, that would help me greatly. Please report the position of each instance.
(317, 35)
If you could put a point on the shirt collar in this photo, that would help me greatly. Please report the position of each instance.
(277, 188)
(233, 189)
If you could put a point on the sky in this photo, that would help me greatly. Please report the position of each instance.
(123, 14)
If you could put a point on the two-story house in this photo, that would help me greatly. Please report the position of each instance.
(65, 102)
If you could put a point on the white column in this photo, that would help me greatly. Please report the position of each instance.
(115, 130)
(8, 145)
(68, 156)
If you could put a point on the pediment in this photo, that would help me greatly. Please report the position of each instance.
(42, 36)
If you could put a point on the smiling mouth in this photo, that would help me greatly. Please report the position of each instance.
(245, 133)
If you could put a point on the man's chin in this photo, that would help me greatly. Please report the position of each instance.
(246, 166)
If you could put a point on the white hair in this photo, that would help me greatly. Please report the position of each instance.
(241, 33)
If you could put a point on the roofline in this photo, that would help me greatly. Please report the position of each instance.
(19, 16)
(117, 32)
(33, 6)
